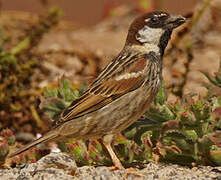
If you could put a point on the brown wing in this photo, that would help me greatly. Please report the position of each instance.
(103, 93)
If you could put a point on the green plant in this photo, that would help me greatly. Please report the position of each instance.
(7, 139)
(55, 100)
(216, 81)
(182, 132)
(30, 156)
(7, 144)
(186, 132)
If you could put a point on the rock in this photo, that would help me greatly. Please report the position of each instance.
(60, 166)
(53, 166)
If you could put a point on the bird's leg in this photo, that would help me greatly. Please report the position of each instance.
(117, 164)
(107, 143)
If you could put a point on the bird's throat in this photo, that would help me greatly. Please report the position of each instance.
(164, 39)
(152, 48)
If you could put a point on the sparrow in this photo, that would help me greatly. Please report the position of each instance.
(124, 89)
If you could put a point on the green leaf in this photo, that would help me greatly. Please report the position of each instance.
(215, 157)
(205, 143)
(211, 79)
(49, 93)
(53, 107)
(183, 159)
(174, 134)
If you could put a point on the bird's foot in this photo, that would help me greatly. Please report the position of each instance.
(127, 172)
(132, 171)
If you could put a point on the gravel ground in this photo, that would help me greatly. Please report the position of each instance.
(60, 166)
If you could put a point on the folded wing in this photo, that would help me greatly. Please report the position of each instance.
(108, 89)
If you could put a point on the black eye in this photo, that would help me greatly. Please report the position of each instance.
(154, 19)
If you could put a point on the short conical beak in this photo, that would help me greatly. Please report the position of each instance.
(175, 20)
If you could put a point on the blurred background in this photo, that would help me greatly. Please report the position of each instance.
(91, 12)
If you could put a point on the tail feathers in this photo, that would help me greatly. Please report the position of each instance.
(48, 136)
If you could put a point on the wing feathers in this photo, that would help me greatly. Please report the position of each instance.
(109, 88)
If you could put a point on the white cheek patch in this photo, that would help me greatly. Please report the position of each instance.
(150, 35)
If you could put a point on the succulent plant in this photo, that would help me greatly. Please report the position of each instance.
(4, 150)
(7, 144)
(30, 156)
(8, 135)
(185, 132)
(214, 80)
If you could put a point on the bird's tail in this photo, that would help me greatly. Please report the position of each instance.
(48, 136)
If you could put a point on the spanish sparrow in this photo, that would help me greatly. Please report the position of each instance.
(124, 89)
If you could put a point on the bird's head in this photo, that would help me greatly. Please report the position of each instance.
(153, 28)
